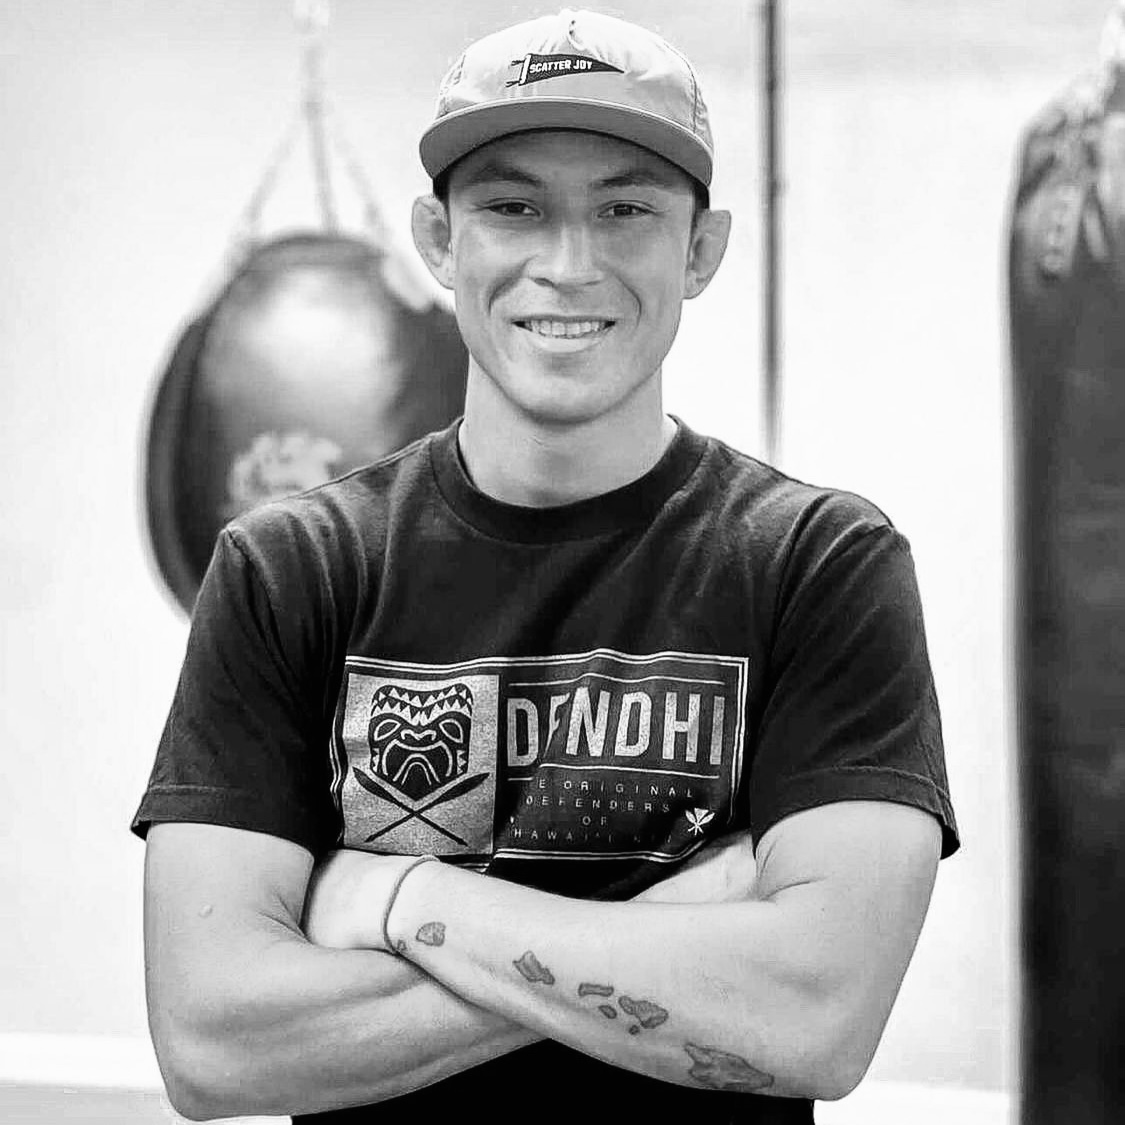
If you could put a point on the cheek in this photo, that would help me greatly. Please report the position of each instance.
(654, 271)
(481, 276)
(481, 264)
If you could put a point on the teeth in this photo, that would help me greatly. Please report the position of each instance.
(567, 328)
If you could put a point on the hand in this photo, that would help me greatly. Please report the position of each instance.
(347, 898)
(723, 871)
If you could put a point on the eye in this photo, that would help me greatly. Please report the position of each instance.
(383, 728)
(626, 210)
(511, 209)
(452, 731)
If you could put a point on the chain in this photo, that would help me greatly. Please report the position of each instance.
(1113, 37)
(312, 18)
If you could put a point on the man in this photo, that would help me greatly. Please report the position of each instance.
(664, 714)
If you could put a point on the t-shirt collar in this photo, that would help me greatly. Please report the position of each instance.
(634, 503)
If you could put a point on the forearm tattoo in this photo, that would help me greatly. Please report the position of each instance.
(432, 933)
(710, 1067)
(586, 988)
(720, 1070)
(531, 970)
(647, 1014)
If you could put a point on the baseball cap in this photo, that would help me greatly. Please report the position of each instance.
(574, 70)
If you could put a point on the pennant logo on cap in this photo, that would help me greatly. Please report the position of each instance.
(536, 68)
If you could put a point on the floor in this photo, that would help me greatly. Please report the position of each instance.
(41, 1105)
(58, 1105)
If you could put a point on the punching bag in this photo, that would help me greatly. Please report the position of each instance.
(319, 353)
(308, 363)
(1067, 304)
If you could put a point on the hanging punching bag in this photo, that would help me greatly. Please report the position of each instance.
(307, 364)
(318, 354)
(1067, 298)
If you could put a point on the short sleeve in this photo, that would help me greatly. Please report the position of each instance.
(850, 711)
(241, 743)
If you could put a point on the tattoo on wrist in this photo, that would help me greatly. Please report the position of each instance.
(720, 1070)
(432, 933)
(531, 969)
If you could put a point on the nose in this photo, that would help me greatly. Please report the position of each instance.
(567, 257)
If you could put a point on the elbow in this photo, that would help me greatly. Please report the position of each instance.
(821, 1075)
(837, 1077)
(188, 1104)
(202, 1079)
(187, 1095)
(823, 1054)
(845, 1048)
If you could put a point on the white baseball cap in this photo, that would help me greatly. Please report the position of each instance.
(575, 70)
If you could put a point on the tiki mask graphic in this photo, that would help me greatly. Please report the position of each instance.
(419, 739)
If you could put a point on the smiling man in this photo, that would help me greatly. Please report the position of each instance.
(568, 763)
(570, 255)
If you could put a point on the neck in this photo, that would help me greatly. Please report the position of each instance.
(519, 459)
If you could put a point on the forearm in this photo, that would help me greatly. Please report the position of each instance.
(249, 1017)
(722, 996)
(306, 1029)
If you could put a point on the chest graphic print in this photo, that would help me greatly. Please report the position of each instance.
(592, 756)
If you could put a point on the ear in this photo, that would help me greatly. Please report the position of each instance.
(709, 238)
(429, 222)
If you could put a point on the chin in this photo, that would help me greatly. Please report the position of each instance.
(560, 410)
(568, 402)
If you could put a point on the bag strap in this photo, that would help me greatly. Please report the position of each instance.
(312, 18)
(317, 119)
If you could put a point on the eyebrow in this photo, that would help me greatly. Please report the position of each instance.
(639, 177)
(500, 171)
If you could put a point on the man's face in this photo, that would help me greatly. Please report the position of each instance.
(569, 265)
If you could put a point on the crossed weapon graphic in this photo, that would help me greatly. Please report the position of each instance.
(458, 790)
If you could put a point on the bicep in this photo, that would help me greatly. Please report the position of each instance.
(248, 870)
(856, 877)
(214, 896)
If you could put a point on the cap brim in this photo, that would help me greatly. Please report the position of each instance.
(458, 133)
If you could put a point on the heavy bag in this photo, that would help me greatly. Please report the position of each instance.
(1067, 304)
(311, 360)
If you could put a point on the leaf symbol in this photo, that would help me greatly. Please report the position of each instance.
(697, 818)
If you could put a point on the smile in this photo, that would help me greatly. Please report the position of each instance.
(566, 329)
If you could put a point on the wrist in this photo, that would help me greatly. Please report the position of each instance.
(411, 917)
(386, 937)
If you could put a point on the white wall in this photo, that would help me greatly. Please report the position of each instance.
(131, 136)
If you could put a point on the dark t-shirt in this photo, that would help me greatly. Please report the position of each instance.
(574, 698)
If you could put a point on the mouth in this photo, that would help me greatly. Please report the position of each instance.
(566, 328)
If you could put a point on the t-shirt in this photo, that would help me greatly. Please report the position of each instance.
(574, 698)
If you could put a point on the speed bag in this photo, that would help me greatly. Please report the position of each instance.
(307, 364)
(1067, 305)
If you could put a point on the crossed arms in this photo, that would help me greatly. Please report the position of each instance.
(771, 971)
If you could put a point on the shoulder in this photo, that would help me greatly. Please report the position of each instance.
(324, 546)
(347, 514)
(789, 520)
